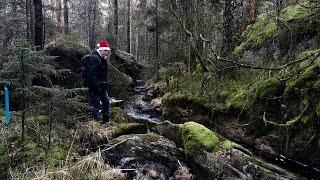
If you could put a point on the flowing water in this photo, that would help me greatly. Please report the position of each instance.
(138, 107)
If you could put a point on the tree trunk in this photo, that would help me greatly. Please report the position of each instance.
(227, 28)
(250, 13)
(115, 24)
(66, 17)
(129, 28)
(92, 35)
(59, 15)
(28, 19)
(157, 36)
(39, 35)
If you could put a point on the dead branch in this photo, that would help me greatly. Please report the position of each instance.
(288, 123)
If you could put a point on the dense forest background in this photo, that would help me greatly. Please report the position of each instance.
(247, 70)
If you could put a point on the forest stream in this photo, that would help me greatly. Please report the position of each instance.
(138, 107)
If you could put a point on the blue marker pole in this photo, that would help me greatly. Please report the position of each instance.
(6, 94)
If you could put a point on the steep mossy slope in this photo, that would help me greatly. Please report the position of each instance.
(294, 24)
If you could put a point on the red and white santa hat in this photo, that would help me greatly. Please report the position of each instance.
(104, 45)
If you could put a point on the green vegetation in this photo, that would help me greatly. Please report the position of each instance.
(306, 80)
(256, 34)
(118, 115)
(236, 100)
(54, 157)
(197, 137)
(269, 88)
(294, 13)
(265, 28)
(227, 144)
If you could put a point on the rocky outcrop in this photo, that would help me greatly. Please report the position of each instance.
(127, 64)
(148, 156)
(67, 52)
(214, 157)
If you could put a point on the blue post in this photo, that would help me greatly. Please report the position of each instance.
(6, 94)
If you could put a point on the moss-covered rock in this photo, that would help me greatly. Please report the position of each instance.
(294, 13)
(306, 80)
(269, 88)
(197, 137)
(256, 34)
(119, 82)
(68, 51)
(236, 100)
(127, 64)
(265, 27)
(129, 128)
(178, 105)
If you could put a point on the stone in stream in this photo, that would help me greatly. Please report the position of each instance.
(151, 156)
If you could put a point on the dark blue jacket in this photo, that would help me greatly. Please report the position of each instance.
(97, 71)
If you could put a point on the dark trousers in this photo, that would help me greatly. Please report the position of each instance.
(95, 98)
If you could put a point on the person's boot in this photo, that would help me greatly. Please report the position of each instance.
(105, 119)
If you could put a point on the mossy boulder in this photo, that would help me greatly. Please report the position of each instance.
(197, 137)
(119, 82)
(127, 64)
(269, 88)
(306, 80)
(265, 28)
(256, 34)
(295, 13)
(68, 51)
(176, 106)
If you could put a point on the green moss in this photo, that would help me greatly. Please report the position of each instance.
(190, 83)
(3, 148)
(236, 100)
(2, 112)
(176, 105)
(306, 80)
(119, 82)
(57, 154)
(239, 50)
(67, 44)
(256, 34)
(271, 87)
(227, 144)
(129, 127)
(293, 13)
(197, 137)
(118, 115)
(38, 153)
(265, 27)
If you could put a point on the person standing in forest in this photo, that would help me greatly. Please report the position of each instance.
(95, 68)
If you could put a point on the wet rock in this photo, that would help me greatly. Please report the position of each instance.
(156, 103)
(152, 156)
(214, 157)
